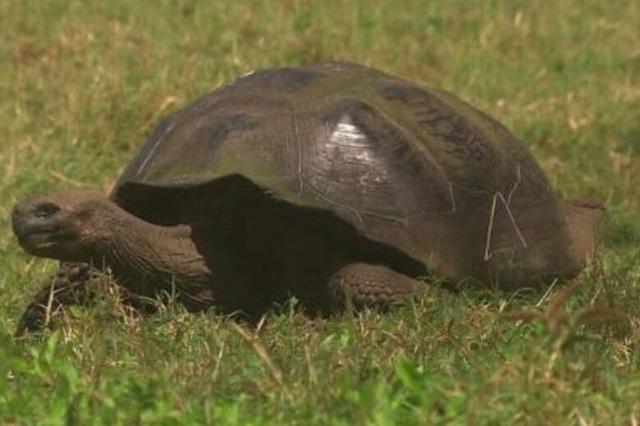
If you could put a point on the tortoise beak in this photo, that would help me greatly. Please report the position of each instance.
(34, 229)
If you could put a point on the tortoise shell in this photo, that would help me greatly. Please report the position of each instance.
(413, 169)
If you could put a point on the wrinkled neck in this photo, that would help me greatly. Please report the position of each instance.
(150, 254)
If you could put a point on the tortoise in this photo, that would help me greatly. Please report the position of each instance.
(333, 183)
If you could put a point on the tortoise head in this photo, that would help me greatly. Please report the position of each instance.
(61, 225)
(584, 218)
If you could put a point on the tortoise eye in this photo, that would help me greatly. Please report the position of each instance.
(45, 210)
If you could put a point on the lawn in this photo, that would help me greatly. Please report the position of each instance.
(83, 82)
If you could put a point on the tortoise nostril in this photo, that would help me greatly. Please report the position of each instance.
(45, 210)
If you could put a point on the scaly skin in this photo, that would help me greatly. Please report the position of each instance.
(81, 228)
(71, 285)
(364, 285)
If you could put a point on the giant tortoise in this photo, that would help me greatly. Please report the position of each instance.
(334, 183)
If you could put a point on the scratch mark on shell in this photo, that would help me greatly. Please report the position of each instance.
(296, 134)
(498, 196)
(153, 149)
(452, 197)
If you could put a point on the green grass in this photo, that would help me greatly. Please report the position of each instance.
(81, 83)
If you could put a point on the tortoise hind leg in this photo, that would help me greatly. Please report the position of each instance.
(365, 285)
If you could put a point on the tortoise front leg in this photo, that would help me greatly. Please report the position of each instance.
(69, 286)
(362, 285)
